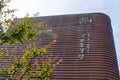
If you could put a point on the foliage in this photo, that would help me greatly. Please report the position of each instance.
(34, 62)
(17, 31)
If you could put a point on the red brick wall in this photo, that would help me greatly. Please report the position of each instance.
(85, 43)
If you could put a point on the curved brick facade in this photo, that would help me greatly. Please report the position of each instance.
(85, 43)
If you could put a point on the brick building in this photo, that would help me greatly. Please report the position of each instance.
(85, 43)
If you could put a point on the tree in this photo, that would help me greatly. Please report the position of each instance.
(34, 62)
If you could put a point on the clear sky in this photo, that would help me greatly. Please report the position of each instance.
(61, 7)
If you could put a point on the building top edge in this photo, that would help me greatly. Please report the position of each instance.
(96, 17)
(91, 14)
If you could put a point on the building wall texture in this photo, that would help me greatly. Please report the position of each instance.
(85, 43)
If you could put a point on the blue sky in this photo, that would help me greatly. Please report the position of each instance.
(61, 7)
